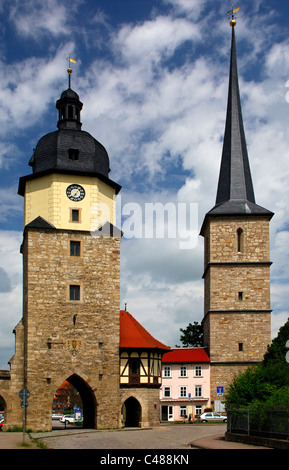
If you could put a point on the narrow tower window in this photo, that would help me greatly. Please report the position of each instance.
(75, 215)
(74, 248)
(240, 237)
(240, 346)
(240, 295)
(70, 112)
(74, 292)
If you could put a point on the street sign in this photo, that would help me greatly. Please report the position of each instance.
(24, 393)
(77, 414)
(220, 391)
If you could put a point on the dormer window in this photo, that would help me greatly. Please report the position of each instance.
(73, 154)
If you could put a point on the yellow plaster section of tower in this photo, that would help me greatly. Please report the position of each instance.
(46, 197)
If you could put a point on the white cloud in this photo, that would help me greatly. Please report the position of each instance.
(10, 204)
(11, 300)
(278, 320)
(153, 40)
(24, 102)
(191, 8)
(33, 18)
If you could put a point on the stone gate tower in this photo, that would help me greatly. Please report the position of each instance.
(71, 270)
(237, 259)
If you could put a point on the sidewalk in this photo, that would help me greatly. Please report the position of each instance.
(218, 442)
(14, 440)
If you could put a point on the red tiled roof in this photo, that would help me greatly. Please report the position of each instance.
(133, 335)
(186, 355)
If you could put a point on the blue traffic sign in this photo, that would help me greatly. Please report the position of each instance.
(77, 414)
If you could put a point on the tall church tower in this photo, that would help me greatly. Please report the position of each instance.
(237, 259)
(71, 273)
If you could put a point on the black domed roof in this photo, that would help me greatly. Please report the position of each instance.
(69, 93)
(69, 148)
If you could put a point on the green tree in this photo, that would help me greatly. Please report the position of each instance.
(266, 383)
(277, 350)
(193, 335)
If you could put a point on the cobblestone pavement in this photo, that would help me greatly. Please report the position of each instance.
(162, 437)
(184, 437)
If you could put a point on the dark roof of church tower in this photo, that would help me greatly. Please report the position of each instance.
(69, 149)
(235, 193)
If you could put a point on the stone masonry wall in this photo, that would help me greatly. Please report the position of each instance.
(223, 246)
(65, 337)
(149, 401)
(237, 322)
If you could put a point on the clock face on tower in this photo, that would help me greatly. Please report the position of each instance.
(75, 192)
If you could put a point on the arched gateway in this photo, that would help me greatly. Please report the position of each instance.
(88, 401)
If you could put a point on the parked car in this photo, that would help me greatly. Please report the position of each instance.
(212, 416)
(68, 419)
(56, 415)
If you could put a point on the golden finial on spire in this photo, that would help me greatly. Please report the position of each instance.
(231, 14)
(69, 70)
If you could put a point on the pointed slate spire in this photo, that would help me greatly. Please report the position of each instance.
(235, 180)
(235, 194)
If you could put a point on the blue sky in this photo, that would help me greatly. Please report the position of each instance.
(153, 77)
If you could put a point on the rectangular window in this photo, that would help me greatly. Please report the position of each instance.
(74, 248)
(198, 410)
(73, 154)
(198, 390)
(183, 411)
(70, 112)
(183, 391)
(134, 366)
(134, 371)
(167, 371)
(167, 392)
(74, 292)
(240, 295)
(240, 346)
(198, 371)
(75, 215)
(183, 371)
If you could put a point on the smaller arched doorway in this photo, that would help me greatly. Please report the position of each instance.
(131, 412)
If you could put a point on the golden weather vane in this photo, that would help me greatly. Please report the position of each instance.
(69, 70)
(231, 14)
